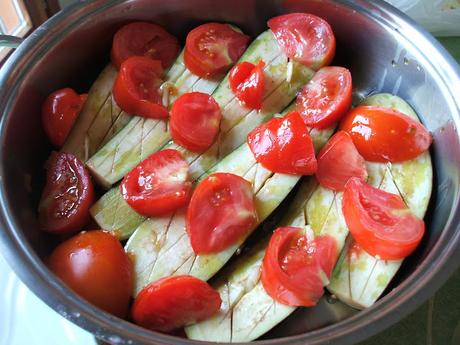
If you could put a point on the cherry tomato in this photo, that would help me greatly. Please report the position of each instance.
(247, 82)
(380, 222)
(137, 88)
(338, 161)
(194, 121)
(385, 135)
(305, 38)
(295, 268)
(174, 302)
(326, 98)
(159, 184)
(221, 212)
(144, 39)
(212, 48)
(59, 112)
(283, 145)
(68, 195)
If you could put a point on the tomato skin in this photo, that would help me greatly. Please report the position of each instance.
(221, 212)
(67, 196)
(380, 222)
(385, 135)
(144, 39)
(95, 266)
(59, 112)
(174, 302)
(283, 145)
(194, 121)
(247, 82)
(326, 98)
(159, 184)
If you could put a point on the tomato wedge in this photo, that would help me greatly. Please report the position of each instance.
(144, 39)
(283, 145)
(295, 268)
(380, 222)
(221, 212)
(338, 161)
(326, 98)
(59, 112)
(305, 38)
(159, 184)
(174, 302)
(247, 82)
(68, 195)
(212, 48)
(385, 135)
(194, 121)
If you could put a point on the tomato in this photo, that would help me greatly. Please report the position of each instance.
(194, 121)
(247, 82)
(144, 39)
(295, 268)
(95, 266)
(380, 222)
(326, 98)
(212, 48)
(67, 196)
(59, 112)
(283, 145)
(221, 212)
(137, 88)
(385, 135)
(174, 302)
(305, 38)
(338, 161)
(159, 184)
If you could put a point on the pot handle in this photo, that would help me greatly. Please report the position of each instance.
(10, 41)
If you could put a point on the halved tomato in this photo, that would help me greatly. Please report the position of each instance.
(247, 82)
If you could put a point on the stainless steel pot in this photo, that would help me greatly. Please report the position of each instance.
(385, 51)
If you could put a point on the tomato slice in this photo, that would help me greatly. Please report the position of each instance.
(59, 112)
(174, 302)
(67, 196)
(326, 98)
(137, 88)
(385, 135)
(247, 82)
(305, 38)
(338, 161)
(159, 184)
(296, 268)
(144, 39)
(212, 48)
(283, 145)
(194, 121)
(221, 212)
(380, 222)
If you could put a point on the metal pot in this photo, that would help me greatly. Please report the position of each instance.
(385, 50)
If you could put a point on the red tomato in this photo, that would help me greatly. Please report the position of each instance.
(68, 195)
(295, 268)
(137, 88)
(221, 212)
(212, 48)
(194, 121)
(95, 266)
(385, 135)
(305, 38)
(174, 302)
(59, 112)
(159, 184)
(247, 82)
(326, 98)
(144, 39)
(339, 161)
(283, 145)
(380, 222)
